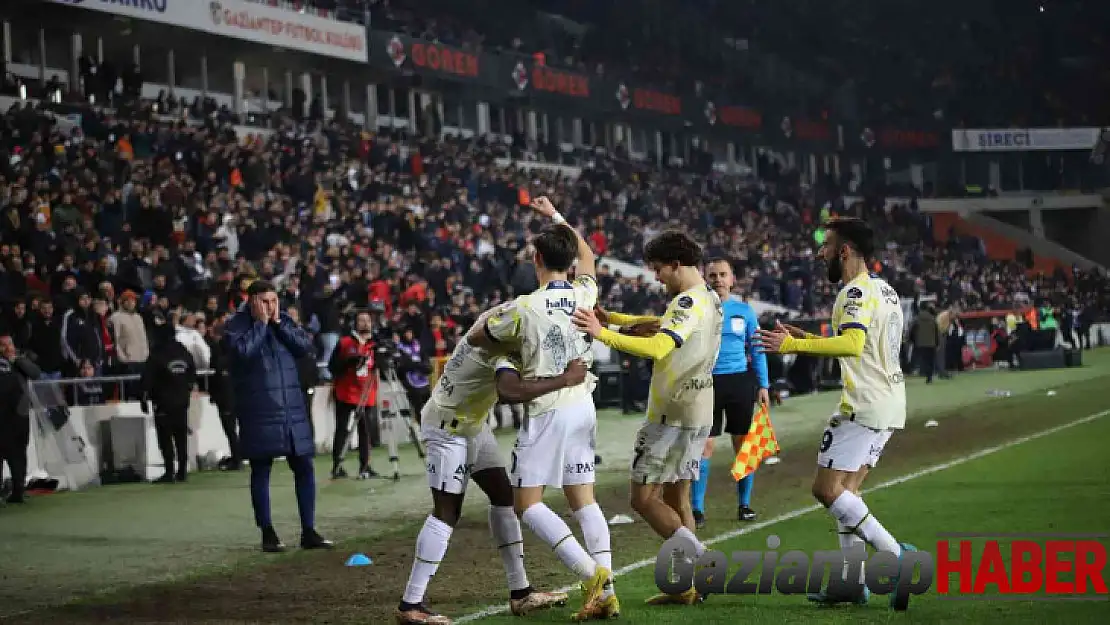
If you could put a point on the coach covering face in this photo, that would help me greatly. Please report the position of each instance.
(263, 345)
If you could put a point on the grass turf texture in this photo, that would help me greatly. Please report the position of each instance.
(188, 552)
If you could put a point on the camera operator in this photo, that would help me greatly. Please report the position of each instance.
(414, 369)
(356, 393)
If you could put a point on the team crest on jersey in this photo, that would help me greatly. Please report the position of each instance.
(685, 302)
(556, 344)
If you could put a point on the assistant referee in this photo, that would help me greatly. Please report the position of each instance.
(739, 380)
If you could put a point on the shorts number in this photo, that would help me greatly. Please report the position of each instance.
(512, 465)
(639, 454)
(826, 441)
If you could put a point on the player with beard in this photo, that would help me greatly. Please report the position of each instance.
(867, 316)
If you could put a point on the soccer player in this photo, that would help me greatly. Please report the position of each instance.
(867, 316)
(670, 443)
(555, 446)
(461, 447)
(735, 389)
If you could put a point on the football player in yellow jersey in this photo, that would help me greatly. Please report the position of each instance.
(669, 445)
(867, 317)
(556, 443)
(455, 428)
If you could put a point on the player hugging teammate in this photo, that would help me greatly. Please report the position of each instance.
(526, 351)
(684, 345)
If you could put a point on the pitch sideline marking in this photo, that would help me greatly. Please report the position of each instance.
(493, 610)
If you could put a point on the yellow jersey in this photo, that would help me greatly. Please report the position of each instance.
(874, 387)
(467, 388)
(682, 381)
(539, 326)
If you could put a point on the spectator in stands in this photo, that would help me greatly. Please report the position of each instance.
(187, 335)
(263, 345)
(16, 370)
(88, 393)
(132, 345)
(46, 340)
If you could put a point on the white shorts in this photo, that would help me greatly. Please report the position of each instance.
(451, 459)
(668, 453)
(556, 448)
(847, 446)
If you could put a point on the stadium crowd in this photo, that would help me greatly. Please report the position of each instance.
(106, 221)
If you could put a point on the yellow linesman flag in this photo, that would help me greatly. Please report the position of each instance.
(759, 443)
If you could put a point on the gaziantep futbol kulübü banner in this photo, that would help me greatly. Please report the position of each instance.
(248, 21)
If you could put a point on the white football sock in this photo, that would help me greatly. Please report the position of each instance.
(849, 510)
(849, 542)
(595, 532)
(684, 532)
(553, 531)
(431, 546)
(505, 528)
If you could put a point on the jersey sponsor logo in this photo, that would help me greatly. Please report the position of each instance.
(851, 309)
(685, 302)
(579, 467)
(698, 383)
(854, 293)
(738, 324)
(563, 304)
(678, 317)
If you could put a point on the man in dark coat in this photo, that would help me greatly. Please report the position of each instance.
(263, 345)
(167, 380)
(15, 413)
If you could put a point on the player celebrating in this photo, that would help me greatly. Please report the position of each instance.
(868, 318)
(461, 447)
(555, 446)
(669, 445)
(735, 384)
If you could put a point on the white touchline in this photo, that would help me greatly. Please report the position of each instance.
(494, 610)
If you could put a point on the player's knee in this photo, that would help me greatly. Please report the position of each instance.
(826, 492)
(640, 500)
(447, 514)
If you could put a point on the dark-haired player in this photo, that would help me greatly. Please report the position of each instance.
(867, 317)
(555, 446)
(670, 443)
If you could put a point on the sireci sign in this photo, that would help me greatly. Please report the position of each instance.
(1030, 567)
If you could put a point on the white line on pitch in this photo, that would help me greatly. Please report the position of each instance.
(496, 609)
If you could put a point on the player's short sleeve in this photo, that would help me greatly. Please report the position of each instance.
(682, 317)
(504, 363)
(586, 291)
(504, 324)
(855, 308)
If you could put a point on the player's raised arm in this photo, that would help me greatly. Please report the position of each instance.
(587, 261)
(513, 389)
(628, 322)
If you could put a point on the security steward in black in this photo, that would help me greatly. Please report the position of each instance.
(219, 393)
(15, 414)
(168, 382)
